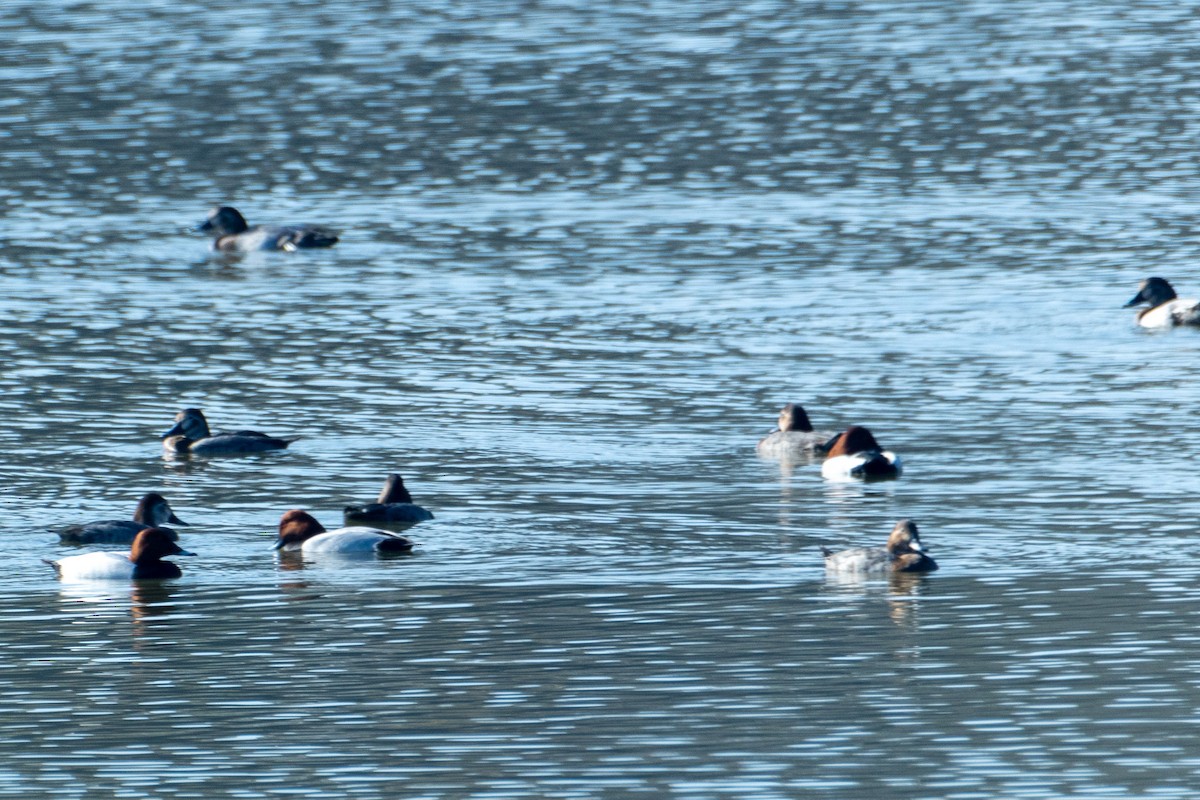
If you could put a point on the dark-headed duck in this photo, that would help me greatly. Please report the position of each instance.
(394, 507)
(235, 236)
(1166, 309)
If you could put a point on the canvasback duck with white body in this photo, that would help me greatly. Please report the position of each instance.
(855, 455)
(300, 531)
(142, 562)
(902, 553)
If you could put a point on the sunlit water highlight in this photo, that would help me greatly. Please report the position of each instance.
(587, 254)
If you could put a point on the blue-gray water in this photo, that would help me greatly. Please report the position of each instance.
(588, 252)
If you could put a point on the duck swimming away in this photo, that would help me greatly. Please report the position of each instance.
(394, 507)
(855, 455)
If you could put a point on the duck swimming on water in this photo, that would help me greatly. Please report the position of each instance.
(190, 434)
(299, 530)
(854, 454)
(1166, 308)
(902, 553)
(152, 511)
(794, 436)
(394, 507)
(234, 235)
(142, 562)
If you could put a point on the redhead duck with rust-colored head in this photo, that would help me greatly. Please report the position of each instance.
(855, 455)
(902, 553)
(299, 530)
(794, 436)
(1166, 308)
(235, 236)
(142, 562)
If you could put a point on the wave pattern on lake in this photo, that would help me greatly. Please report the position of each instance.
(587, 253)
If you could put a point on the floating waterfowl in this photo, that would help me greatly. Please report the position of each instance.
(152, 511)
(1166, 308)
(855, 455)
(300, 531)
(794, 436)
(394, 507)
(190, 434)
(142, 562)
(903, 553)
(234, 235)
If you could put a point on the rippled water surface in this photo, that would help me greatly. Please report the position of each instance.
(587, 253)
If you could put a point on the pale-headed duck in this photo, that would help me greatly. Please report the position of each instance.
(234, 235)
(794, 436)
(298, 530)
(152, 511)
(394, 507)
(142, 562)
(1166, 308)
(903, 553)
(855, 454)
(190, 434)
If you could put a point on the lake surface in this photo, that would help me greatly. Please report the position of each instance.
(587, 253)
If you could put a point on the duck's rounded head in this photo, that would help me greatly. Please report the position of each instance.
(793, 418)
(295, 527)
(224, 221)
(154, 510)
(153, 544)
(1154, 291)
(904, 546)
(855, 439)
(190, 423)
(394, 490)
(904, 538)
